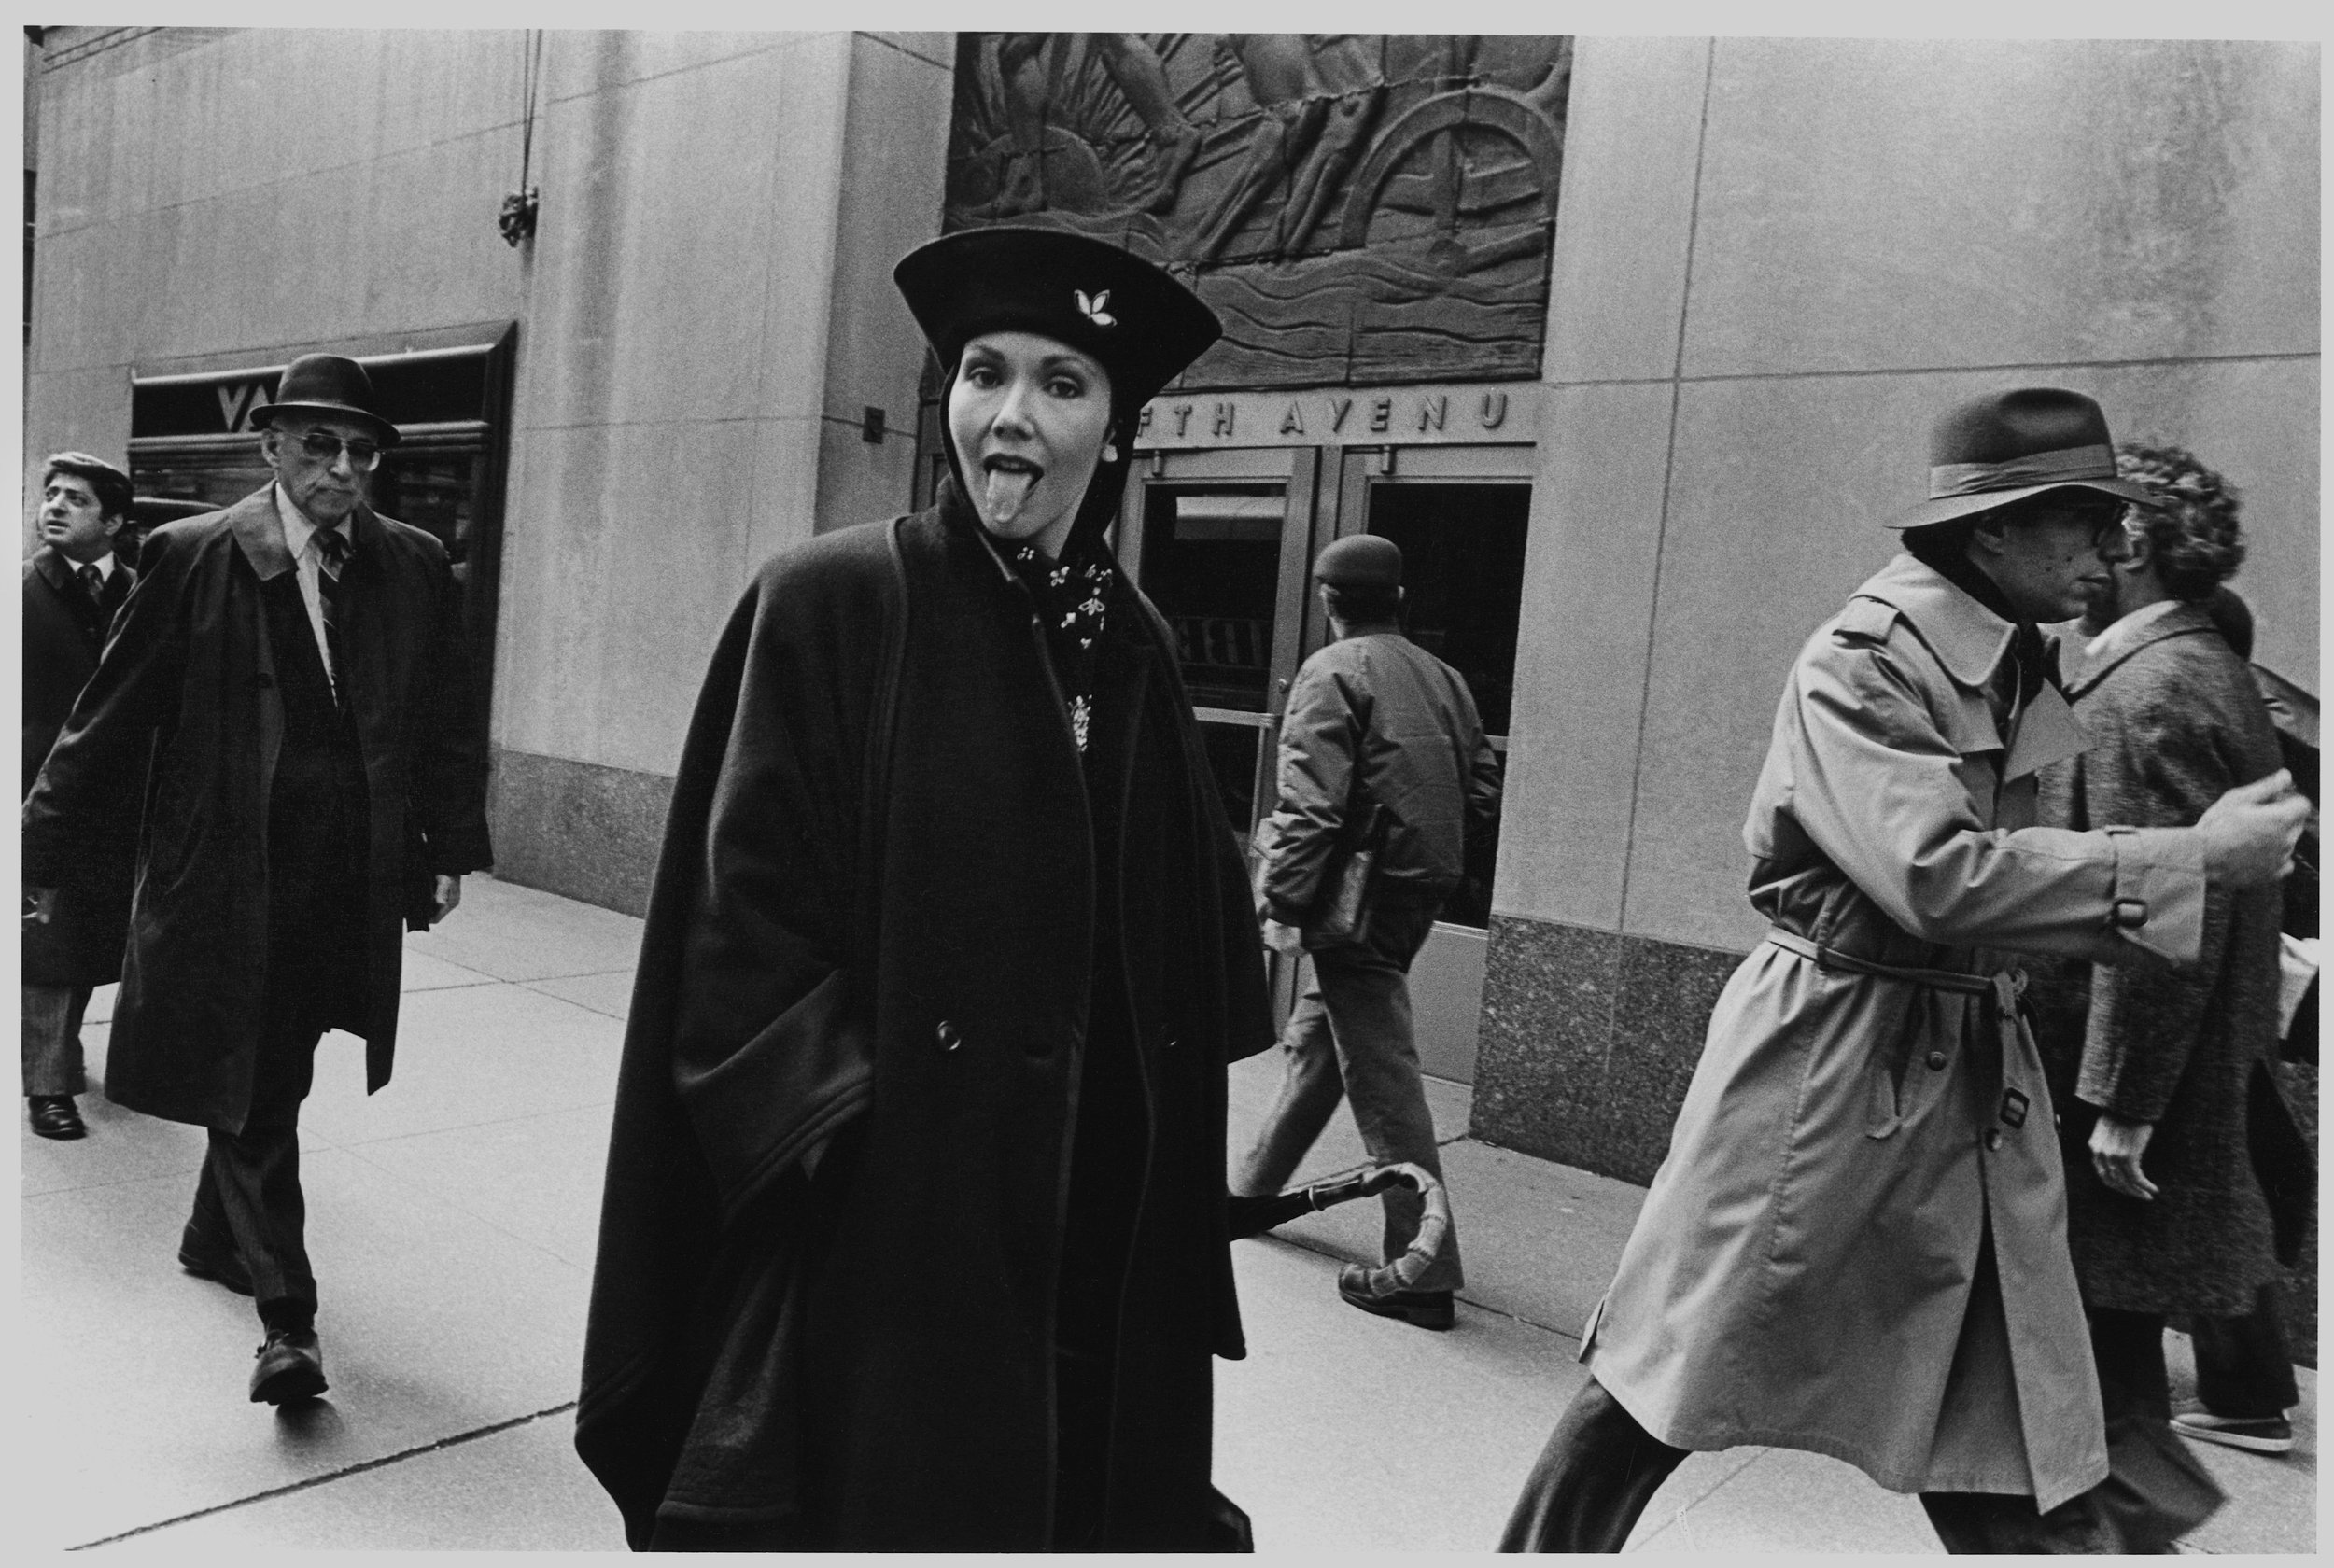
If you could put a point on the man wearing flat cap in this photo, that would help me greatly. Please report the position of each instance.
(1381, 754)
(1856, 1244)
(285, 707)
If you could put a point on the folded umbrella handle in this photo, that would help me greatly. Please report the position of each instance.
(1252, 1216)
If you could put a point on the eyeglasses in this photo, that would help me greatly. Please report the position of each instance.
(363, 456)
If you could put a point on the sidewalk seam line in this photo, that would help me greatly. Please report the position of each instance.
(312, 1481)
(1306, 1246)
(354, 1144)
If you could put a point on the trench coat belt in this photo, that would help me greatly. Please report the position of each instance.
(2008, 985)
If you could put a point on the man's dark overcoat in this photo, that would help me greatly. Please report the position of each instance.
(179, 730)
(2173, 721)
(872, 930)
(65, 629)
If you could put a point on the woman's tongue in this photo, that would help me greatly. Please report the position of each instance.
(1007, 491)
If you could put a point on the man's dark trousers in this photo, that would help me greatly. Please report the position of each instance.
(249, 1198)
(1600, 1469)
(247, 1202)
(2245, 1366)
(1350, 1035)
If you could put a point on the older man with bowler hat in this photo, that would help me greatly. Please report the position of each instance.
(73, 585)
(285, 707)
(1381, 754)
(1856, 1244)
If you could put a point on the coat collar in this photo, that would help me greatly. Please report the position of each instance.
(259, 532)
(2182, 620)
(1969, 640)
(55, 570)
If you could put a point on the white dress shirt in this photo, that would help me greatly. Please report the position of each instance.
(300, 538)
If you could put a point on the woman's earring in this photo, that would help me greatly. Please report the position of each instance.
(1110, 452)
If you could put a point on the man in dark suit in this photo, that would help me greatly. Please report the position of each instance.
(286, 697)
(2153, 1068)
(73, 584)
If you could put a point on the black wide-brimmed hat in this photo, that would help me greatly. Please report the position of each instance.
(2004, 446)
(1141, 325)
(329, 385)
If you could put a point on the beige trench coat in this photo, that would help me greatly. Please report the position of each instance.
(1809, 1270)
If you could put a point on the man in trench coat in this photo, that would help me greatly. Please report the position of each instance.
(73, 585)
(285, 704)
(2155, 1067)
(1856, 1244)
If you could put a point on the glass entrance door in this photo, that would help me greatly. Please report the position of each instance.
(1461, 514)
(1212, 536)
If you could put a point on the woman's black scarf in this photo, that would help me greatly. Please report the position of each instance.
(1073, 597)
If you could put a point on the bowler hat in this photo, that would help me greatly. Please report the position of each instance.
(327, 385)
(1140, 325)
(2004, 446)
(1359, 561)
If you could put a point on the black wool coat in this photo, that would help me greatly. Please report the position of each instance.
(172, 744)
(80, 943)
(2173, 721)
(872, 936)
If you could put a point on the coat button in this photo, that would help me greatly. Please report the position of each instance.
(1936, 1062)
(1994, 1138)
(949, 1038)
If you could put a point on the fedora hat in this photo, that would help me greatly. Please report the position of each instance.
(1139, 324)
(2004, 446)
(327, 385)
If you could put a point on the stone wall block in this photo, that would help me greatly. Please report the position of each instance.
(1549, 994)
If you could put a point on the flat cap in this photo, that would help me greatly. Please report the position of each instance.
(1360, 561)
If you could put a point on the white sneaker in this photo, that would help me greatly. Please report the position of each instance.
(2271, 1434)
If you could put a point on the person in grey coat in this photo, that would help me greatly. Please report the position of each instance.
(2153, 1068)
(1375, 725)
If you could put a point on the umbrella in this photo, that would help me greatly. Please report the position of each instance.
(1254, 1216)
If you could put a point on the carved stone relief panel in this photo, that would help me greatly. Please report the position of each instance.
(1358, 208)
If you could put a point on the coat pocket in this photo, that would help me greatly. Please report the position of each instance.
(1910, 1061)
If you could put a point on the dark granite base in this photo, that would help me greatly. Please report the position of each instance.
(576, 829)
(1588, 1040)
(1590, 1037)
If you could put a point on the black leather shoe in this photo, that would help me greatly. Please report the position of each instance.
(1423, 1308)
(56, 1116)
(290, 1368)
(221, 1268)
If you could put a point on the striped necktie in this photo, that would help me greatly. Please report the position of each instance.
(332, 556)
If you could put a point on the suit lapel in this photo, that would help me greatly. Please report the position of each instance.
(2046, 733)
(259, 533)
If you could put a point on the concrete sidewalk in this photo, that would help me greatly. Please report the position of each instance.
(452, 1220)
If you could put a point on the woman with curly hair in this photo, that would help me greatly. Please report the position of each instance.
(2162, 1075)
